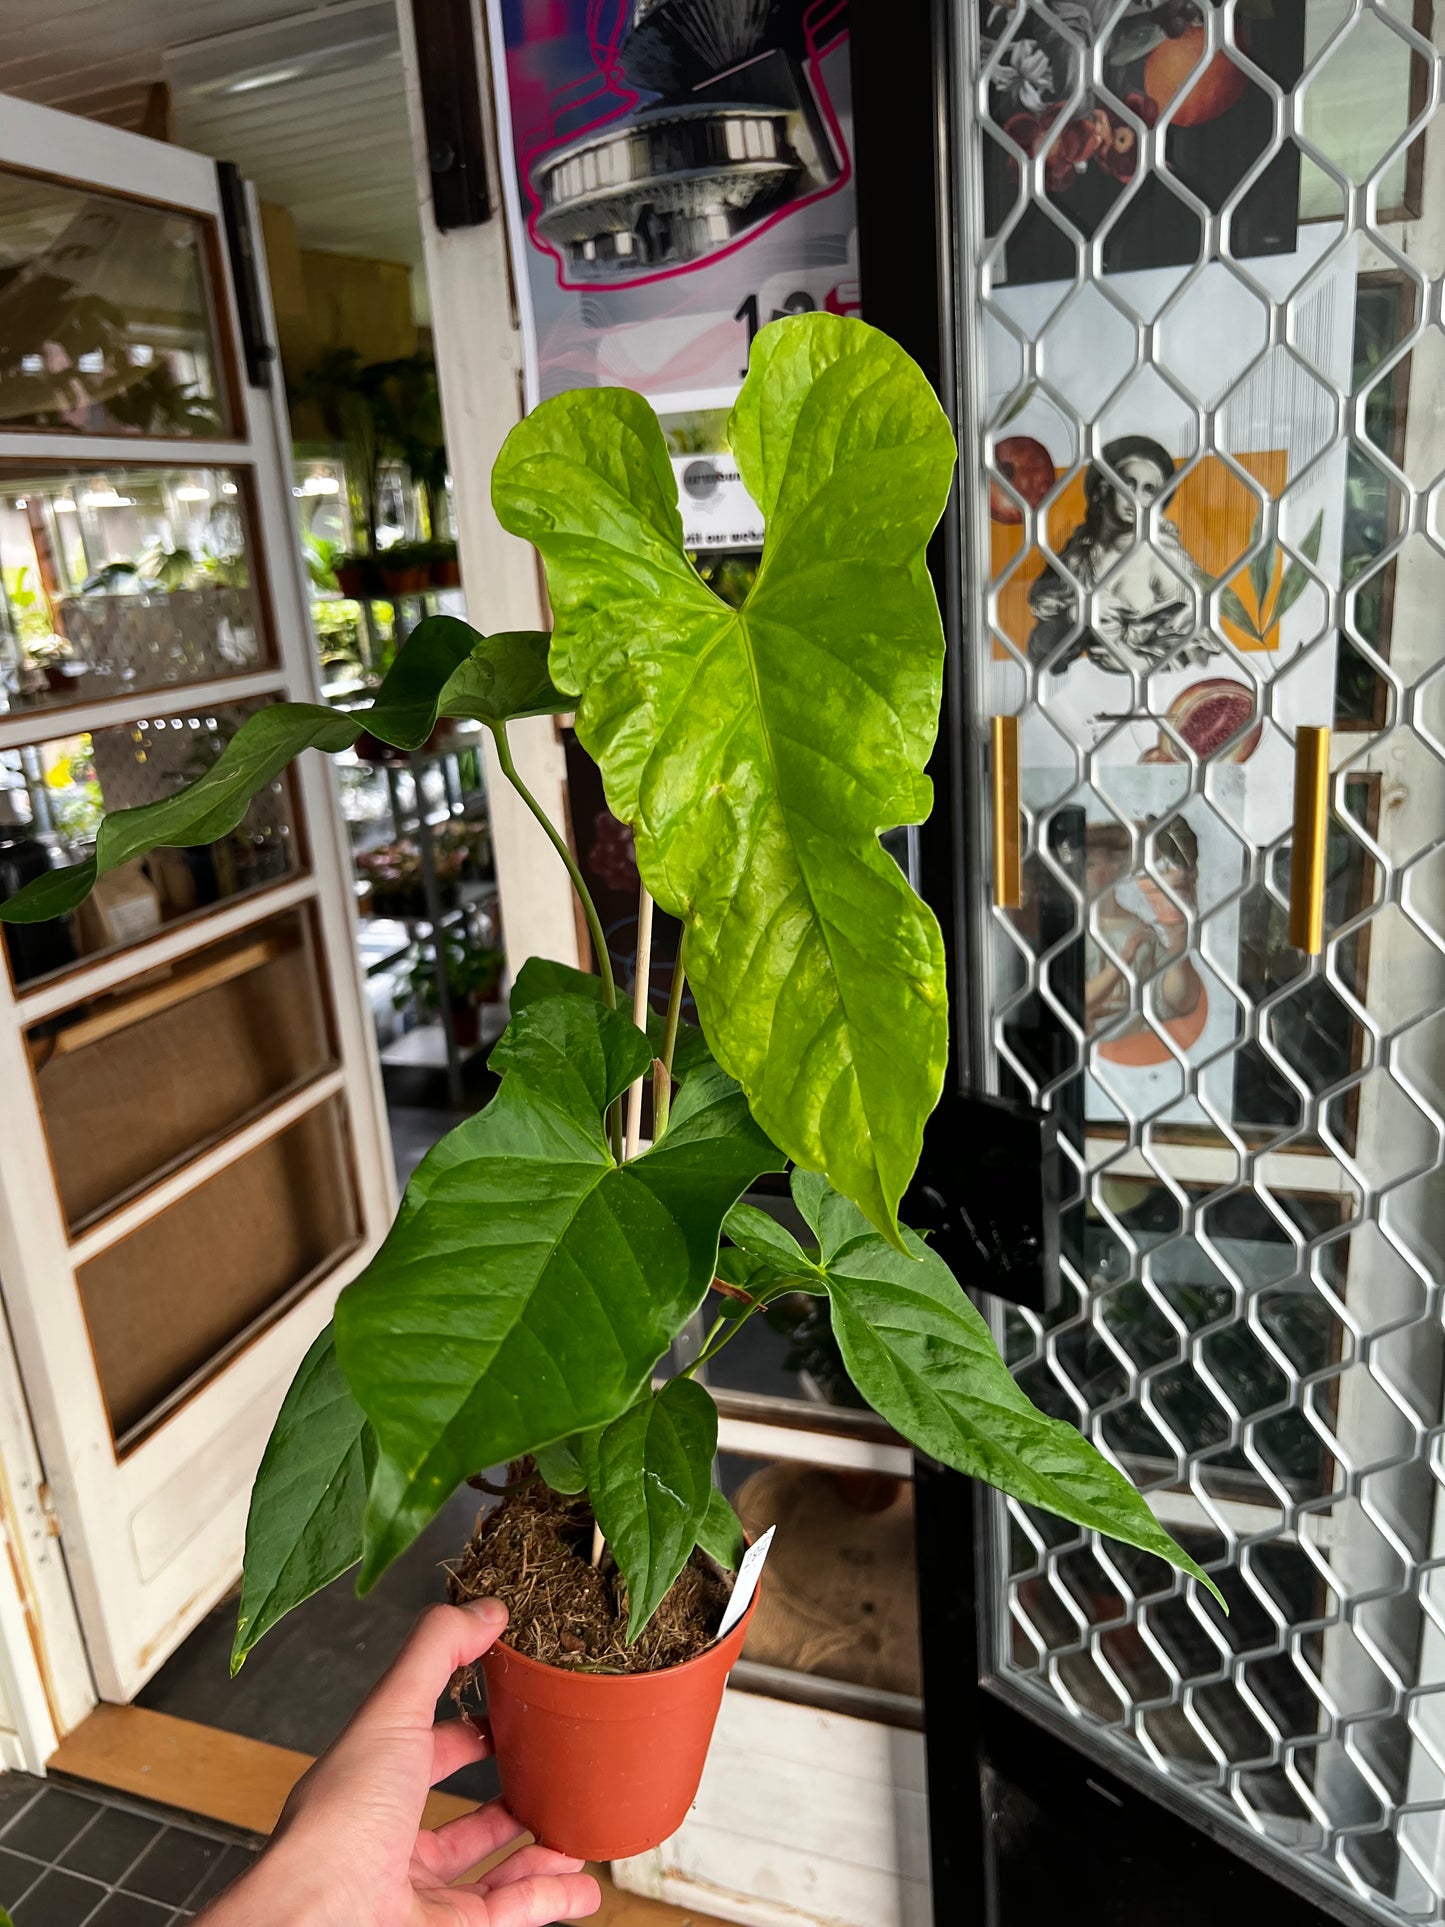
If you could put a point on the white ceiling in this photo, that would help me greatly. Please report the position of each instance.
(318, 121)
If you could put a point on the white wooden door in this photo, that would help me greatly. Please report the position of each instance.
(193, 1157)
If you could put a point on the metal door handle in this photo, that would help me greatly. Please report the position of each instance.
(1008, 870)
(1311, 831)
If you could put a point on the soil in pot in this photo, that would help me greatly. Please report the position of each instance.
(533, 1552)
(601, 1746)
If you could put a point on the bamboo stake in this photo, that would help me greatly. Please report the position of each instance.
(639, 1012)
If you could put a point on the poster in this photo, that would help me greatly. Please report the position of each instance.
(1156, 531)
(681, 174)
(1079, 85)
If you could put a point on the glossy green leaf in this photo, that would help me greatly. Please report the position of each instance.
(768, 1258)
(304, 1527)
(530, 1283)
(758, 752)
(921, 1354)
(503, 678)
(721, 1533)
(561, 1465)
(649, 1476)
(544, 977)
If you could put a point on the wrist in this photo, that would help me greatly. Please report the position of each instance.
(279, 1889)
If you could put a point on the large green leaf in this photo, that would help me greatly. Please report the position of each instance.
(649, 1476)
(530, 1283)
(758, 752)
(923, 1357)
(444, 662)
(304, 1527)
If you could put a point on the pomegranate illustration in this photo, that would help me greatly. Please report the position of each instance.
(1028, 467)
(1205, 715)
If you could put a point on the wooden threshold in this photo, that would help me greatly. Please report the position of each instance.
(244, 1783)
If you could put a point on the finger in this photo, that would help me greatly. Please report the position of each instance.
(460, 1844)
(543, 1899)
(525, 1864)
(455, 1744)
(444, 1638)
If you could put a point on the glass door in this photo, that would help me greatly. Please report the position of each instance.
(1197, 254)
(194, 1156)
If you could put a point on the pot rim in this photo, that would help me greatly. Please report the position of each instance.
(709, 1652)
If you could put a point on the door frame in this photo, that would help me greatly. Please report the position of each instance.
(909, 87)
(132, 1622)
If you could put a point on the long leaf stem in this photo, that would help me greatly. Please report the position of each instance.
(640, 995)
(662, 1082)
(714, 1343)
(559, 844)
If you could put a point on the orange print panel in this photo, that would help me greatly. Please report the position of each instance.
(1213, 511)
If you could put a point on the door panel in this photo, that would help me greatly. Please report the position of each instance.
(1197, 254)
(185, 1181)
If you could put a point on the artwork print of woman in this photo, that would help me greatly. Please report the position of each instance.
(1122, 594)
(1144, 927)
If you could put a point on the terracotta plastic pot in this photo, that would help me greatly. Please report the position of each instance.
(604, 1765)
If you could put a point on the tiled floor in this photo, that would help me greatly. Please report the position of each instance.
(72, 1858)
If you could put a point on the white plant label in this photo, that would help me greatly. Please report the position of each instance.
(746, 1584)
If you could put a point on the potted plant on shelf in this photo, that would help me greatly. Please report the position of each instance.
(542, 1260)
(473, 976)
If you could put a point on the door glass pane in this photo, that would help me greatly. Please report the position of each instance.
(53, 795)
(116, 581)
(107, 325)
(1207, 404)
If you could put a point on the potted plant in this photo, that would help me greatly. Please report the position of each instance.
(541, 1263)
(473, 975)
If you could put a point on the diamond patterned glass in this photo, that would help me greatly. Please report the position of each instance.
(1201, 254)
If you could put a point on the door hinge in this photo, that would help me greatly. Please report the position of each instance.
(46, 1501)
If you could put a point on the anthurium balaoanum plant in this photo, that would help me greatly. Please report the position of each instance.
(535, 1275)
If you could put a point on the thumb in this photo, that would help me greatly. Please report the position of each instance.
(444, 1638)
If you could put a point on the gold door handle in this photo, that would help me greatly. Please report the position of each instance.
(1008, 871)
(1311, 831)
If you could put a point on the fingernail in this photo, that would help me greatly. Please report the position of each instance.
(491, 1610)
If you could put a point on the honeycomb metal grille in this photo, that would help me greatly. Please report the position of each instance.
(1251, 1321)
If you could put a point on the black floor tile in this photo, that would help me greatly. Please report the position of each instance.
(126, 1910)
(174, 1866)
(231, 1865)
(16, 1875)
(17, 1790)
(47, 1826)
(58, 1900)
(113, 1841)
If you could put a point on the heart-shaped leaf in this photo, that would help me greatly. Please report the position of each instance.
(304, 1527)
(649, 1476)
(530, 1283)
(921, 1354)
(758, 752)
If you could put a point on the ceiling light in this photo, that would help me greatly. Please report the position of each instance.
(63, 505)
(190, 492)
(320, 485)
(105, 498)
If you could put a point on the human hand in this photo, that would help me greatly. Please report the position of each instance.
(350, 1850)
